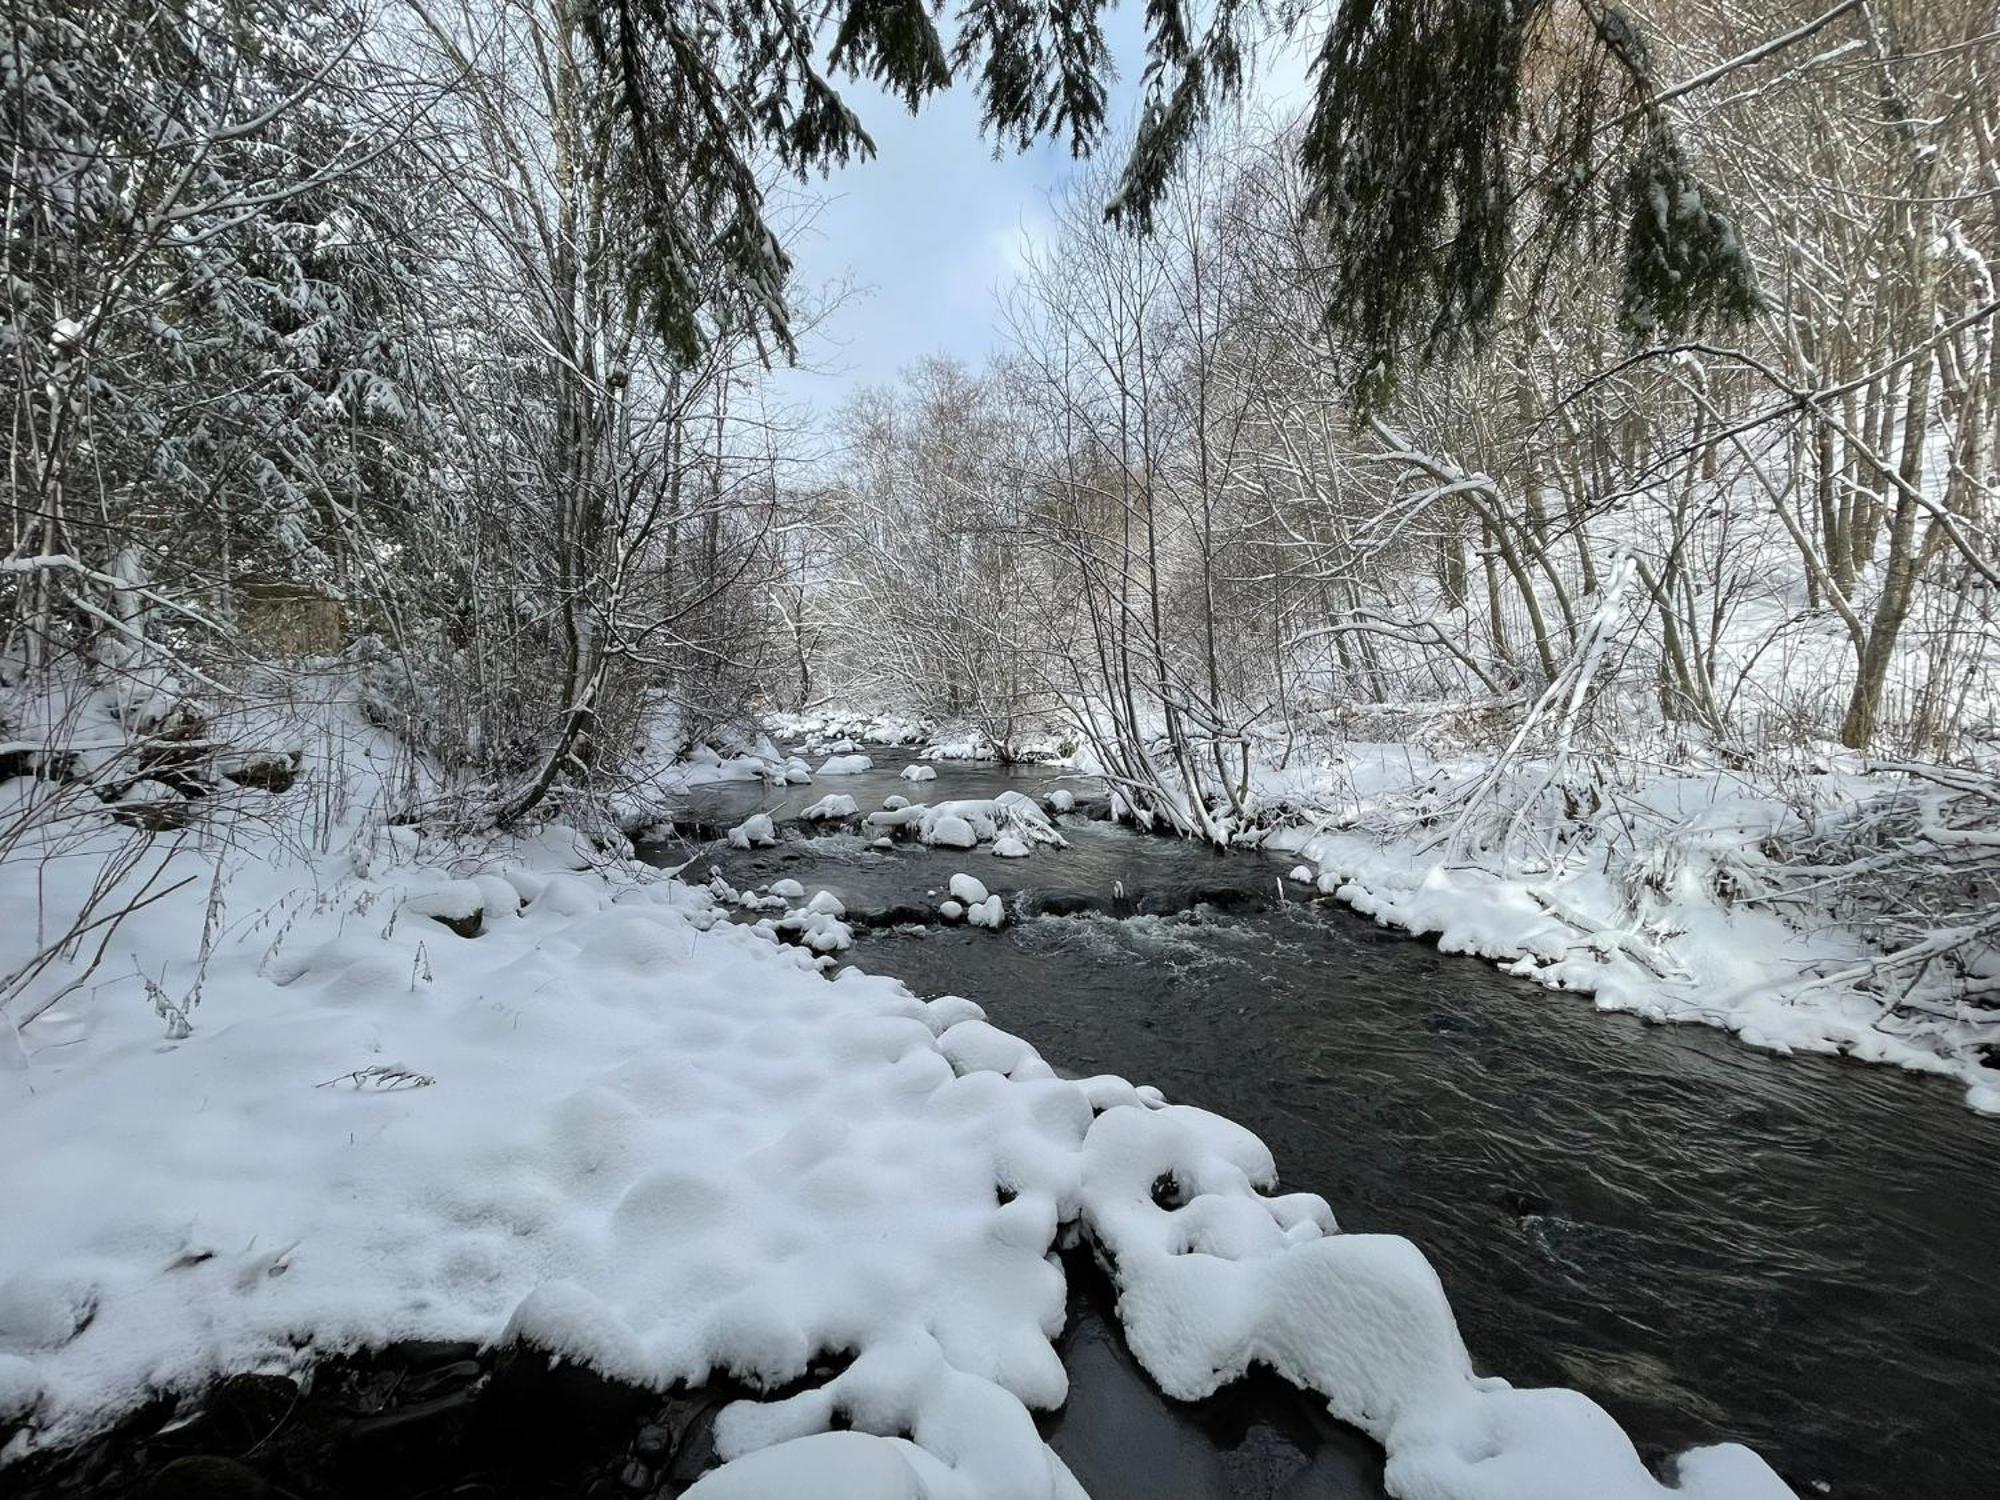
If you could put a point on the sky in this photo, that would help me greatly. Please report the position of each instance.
(929, 229)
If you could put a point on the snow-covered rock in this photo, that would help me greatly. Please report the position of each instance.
(1303, 874)
(1011, 846)
(457, 904)
(845, 765)
(828, 903)
(987, 913)
(824, 932)
(917, 771)
(790, 889)
(1062, 800)
(831, 808)
(755, 831)
(952, 911)
(968, 888)
(950, 832)
(894, 803)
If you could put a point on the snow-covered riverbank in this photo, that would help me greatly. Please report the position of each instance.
(1668, 901)
(1714, 897)
(302, 1111)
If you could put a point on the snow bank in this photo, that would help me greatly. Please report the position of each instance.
(1645, 930)
(833, 726)
(663, 764)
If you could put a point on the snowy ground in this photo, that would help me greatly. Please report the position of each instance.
(301, 1111)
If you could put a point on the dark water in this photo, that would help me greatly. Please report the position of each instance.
(1712, 1241)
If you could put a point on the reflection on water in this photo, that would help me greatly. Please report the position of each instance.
(1712, 1241)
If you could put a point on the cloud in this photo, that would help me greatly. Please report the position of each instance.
(936, 222)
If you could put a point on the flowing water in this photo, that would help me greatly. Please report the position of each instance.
(1713, 1242)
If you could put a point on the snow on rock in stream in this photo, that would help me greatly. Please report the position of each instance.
(831, 808)
(988, 913)
(755, 831)
(1062, 800)
(819, 932)
(950, 832)
(1010, 846)
(968, 888)
(662, 1144)
(968, 822)
(845, 765)
(919, 772)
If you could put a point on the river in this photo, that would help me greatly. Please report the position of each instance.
(1800, 1253)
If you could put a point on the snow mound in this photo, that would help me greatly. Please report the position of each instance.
(1011, 846)
(845, 765)
(831, 808)
(950, 832)
(820, 932)
(919, 772)
(1062, 800)
(456, 902)
(968, 888)
(987, 913)
(755, 831)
